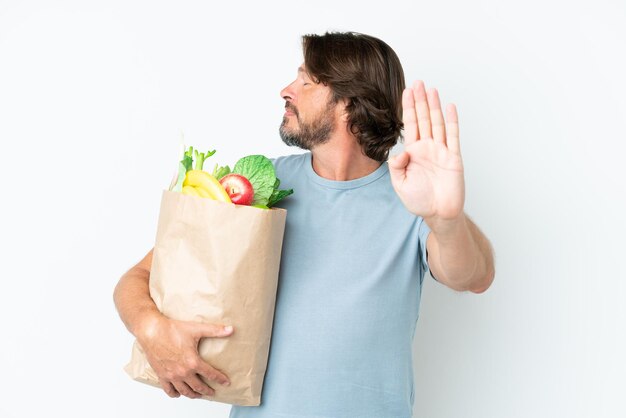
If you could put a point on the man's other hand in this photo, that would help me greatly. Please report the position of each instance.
(171, 347)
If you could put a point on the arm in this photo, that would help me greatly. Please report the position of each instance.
(459, 255)
(133, 302)
(429, 179)
(171, 346)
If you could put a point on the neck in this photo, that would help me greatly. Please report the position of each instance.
(341, 159)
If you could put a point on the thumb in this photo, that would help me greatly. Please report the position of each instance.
(397, 164)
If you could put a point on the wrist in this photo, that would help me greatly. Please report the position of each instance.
(147, 325)
(447, 227)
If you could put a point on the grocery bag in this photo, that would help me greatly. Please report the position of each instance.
(216, 262)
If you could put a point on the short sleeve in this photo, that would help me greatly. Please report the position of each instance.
(423, 232)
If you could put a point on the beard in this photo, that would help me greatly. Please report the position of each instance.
(309, 134)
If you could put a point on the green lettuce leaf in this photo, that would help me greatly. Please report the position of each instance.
(180, 178)
(278, 195)
(259, 170)
(183, 166)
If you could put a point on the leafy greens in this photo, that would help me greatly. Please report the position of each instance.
(259, 170)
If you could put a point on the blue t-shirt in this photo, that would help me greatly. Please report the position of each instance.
(351, 272)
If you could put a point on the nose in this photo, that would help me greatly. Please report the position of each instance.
(288, 93)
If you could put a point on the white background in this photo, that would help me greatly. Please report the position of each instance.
(94, 95)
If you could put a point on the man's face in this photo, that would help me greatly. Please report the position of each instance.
(310, 114)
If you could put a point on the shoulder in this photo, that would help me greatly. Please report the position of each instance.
(287, 164)
(287, 159)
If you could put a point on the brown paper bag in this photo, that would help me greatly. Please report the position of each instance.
(217, 262)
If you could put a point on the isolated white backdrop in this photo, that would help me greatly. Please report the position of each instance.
(94, 95)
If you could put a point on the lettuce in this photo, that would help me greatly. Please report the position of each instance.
(259, 170)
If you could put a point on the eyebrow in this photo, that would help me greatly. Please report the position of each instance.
(301, 70)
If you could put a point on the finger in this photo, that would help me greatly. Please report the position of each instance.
(211, 330)
(397, 167)
(198, 386)
(409, 117)
(170, 390)
(421, 108)
(211, 374)
(399, 162)
(436, 117)
(452, 127)
(184, 389)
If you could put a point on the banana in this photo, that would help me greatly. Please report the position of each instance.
(202, 192)
(191, 191)
(202, 180)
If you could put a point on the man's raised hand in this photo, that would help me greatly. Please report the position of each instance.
(428, 175)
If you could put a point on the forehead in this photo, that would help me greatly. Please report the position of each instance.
(302, 70)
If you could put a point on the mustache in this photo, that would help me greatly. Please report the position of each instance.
(291, 108)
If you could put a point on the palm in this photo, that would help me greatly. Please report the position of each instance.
(428, 175)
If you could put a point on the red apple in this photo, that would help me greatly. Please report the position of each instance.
(238, 188)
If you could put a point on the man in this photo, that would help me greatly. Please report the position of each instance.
(361, 233)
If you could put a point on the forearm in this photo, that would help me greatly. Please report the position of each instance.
(464, 254)
(134, 303)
